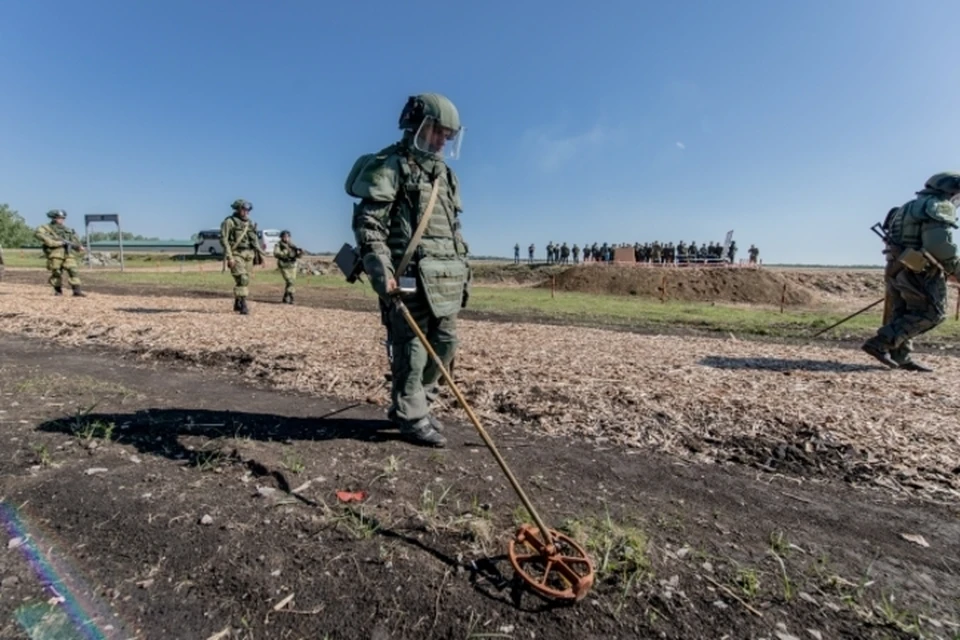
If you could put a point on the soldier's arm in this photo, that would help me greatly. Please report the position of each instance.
(225, 228)
(49, 239)
(937, 238)
(457, 210)
(377, 186)
(278, 252)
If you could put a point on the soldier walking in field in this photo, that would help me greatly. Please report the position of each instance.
(60, 247)
(921, 255)
(241, 251)
(286, 254)
(398, 188)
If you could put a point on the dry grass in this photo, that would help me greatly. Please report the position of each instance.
(820, 408)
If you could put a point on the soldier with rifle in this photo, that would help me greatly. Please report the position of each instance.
(241, 251)
(60, 246)
(286, 254)
(921, 255)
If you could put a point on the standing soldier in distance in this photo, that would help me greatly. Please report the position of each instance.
(60, 244)
(286, 254)
(530, 254)
(916, 285)
(516, 253)
(753, 253)
(241, 250)
(395, 187)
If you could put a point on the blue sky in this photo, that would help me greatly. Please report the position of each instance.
(796, 124)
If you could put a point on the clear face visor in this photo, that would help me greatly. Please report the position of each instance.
(431, 137)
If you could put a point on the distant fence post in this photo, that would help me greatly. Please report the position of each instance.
(956, 314)
(783, 297)
(553, 286)
(663, 287)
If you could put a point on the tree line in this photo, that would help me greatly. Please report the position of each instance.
(15, 232)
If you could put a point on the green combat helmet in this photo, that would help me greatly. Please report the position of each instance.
(240, 203)
(53, 214)
(947, 182)
(431, 123)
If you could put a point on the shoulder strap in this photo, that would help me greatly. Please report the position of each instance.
(241, 236)
(415, 240)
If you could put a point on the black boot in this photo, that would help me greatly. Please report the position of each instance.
(58, 291)
(236, 304)
(286, 298)
(877, 350)
(290, 299)
(910, 365)
(243, 307)
(78, 293)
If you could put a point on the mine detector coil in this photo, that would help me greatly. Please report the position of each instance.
(549, 562)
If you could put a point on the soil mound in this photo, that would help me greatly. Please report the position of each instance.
(757, 286)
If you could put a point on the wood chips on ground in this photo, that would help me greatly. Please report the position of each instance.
(815, 408)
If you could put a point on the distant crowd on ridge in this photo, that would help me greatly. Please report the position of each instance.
(648, 253)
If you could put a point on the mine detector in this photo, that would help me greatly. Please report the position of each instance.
(549, 562)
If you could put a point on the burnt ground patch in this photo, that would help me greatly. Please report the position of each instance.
(181, 504)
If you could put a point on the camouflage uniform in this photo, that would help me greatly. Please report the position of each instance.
(394, 188)
(286, 255)
(917, 291)
(241, 250)
(753, 252)
(59, 246)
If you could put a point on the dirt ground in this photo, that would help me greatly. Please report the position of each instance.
(161, 497)
(176, 503)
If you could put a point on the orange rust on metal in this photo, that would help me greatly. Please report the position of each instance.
(560, 569)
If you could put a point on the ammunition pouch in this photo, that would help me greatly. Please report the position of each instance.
(913, 260)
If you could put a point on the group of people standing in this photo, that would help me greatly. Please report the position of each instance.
(648, 252)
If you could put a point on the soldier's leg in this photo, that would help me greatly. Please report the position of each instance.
(289, 280)
(73, 275)
(409, 361)
(925, 309)
(241, 281)
(55, 267)
(918, 305)
(443, 339)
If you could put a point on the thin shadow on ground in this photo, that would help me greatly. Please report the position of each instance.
(782, 364)
(147, 310)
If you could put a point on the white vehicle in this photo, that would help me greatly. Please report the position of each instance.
(268, 239)
(208, 242)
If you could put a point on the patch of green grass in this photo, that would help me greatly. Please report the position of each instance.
(618, 548)
(293, 463)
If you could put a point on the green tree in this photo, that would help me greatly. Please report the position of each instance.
(111, 236)
(14, 230)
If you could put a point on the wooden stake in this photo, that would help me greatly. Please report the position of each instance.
(663, 287)
(783, 297)
(553, 285)
(956, 315)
